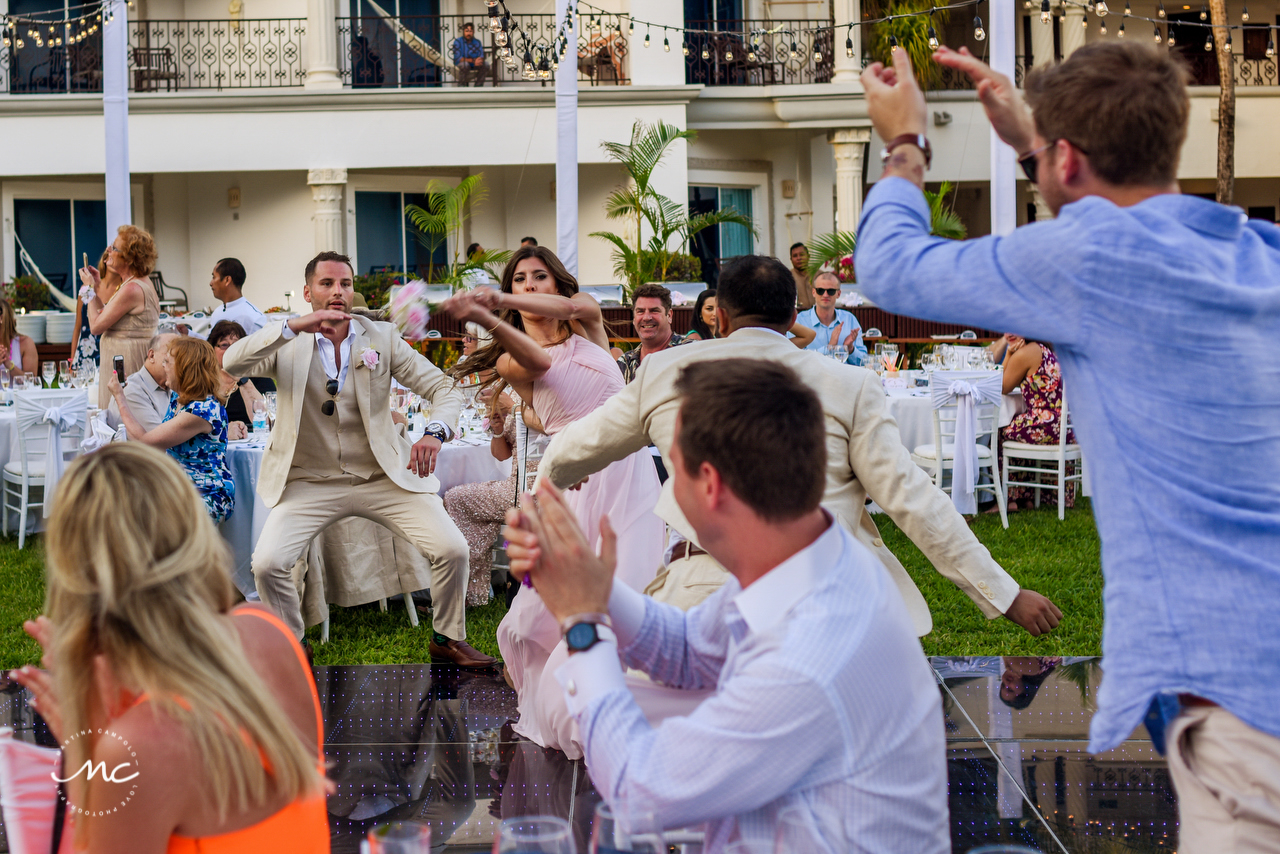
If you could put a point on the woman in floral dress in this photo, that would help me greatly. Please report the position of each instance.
(1033, 367)
(194, 431)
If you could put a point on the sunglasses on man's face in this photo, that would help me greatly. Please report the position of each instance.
(1030, 165)
(329, 406)
(826, 292)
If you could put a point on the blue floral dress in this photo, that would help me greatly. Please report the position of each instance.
(204, 456)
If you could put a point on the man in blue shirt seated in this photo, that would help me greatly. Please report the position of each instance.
(468, 56)
(821, 702)
(835, 327)
(1147, 296)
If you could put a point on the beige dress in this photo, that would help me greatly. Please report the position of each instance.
(129, 338)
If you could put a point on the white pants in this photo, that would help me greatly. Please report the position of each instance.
(306, 507)
(1227, 776)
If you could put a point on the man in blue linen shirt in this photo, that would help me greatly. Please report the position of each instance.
(822, 700)
(468, 56)
(1163, 310)
(834, 326)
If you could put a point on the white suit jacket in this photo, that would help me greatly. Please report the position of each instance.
(267, 353)
(865, 457)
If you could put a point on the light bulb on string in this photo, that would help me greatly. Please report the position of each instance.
(646, 39)
(979, 34)
(684, 48)
(631, 27)
(530, 72)
(817, 57)
(1026, 4)
(1157, 35)
(1228, 40)
(848, 46)
(1045, 14)
(1127, 10)
(933, 34)
(1160, 10)
(1204, 12)
(666, 44)
(795, 54)
(1121, 31)
(501, 36)
(706, 54)
(728, 54)
(1208, 42)
(1244, 15)
(494, 22)
(1100, 9)
(504, 52)
(1271, 47)
(893, 41)
(1103, 27)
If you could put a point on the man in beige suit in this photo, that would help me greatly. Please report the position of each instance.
(865, 456)
(335, 452)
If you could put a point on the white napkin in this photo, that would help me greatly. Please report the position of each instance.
(98, 434)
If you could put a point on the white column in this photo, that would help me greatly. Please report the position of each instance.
(1004, 161)
(567, 146)
(1041, 41)
(322, 45)
(849, 146)
(115, 110)
(327, 186)
(847, 69)
(1073, 30)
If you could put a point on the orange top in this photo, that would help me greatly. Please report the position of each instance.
(302, 826)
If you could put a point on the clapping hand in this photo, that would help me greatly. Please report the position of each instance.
(894, 100)
(545, 544)
(835, 335)
(1004, 106)
(40, 682)
(851, 339)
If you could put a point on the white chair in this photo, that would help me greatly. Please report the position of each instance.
(50, 425)
(1061, 453)
(957, 396)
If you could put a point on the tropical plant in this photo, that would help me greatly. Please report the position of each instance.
(636, 260)
(26, 292)
(830, 250)
(375, 286)
(447, 210)
(680, 267)
(909, 30)
(944, 221)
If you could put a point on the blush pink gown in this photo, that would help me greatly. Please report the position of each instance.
(581, 378)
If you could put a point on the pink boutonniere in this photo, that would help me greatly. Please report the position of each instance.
(369, 358)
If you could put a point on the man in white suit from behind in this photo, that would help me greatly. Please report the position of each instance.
(335, 452)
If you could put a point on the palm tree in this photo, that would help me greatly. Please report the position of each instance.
(447, 209)
(636, 260)
(910, 32)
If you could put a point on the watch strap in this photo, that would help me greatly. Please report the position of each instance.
(588, 617)
(919, 140)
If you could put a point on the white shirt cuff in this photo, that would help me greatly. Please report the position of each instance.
(448, 434)
(286, 332)
(589, 675)
(626, 612)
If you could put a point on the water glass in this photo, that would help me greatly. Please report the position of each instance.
(271, 405)
(64, 373)
(49, 370)
(535, 834)
(19, 382)
(259, 417)
(608, 836)
(30, 377)
(401, 837)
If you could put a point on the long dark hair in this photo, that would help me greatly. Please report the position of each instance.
(700, 325)
(486, 358)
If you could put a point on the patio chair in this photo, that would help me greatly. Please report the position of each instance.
(50, 425)
(1061, 454)
(167, 294)
(152, 65)
(966, 408)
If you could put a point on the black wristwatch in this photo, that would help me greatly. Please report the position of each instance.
(582, 631)
(242, 381)
(437, 433)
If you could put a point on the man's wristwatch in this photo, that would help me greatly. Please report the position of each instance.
(583, 631)
(917, 139)
(436, 429)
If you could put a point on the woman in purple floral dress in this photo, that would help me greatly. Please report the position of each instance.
(1033, 367)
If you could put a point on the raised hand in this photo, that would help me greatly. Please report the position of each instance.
(315, 321)
(488, 298)
(851, 340)
(835, 335)
(1004, 106)
(894, 100)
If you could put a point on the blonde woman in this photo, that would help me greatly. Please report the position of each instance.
(127, 319)
(195, 430)
(17, 351)
(208, 713)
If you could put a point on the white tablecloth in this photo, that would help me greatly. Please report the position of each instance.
(913, 410)
(458, 463)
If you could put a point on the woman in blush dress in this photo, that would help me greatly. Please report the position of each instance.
(549, 344)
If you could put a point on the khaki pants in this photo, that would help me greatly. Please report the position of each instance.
(686, 581)
(306, 507)
(1227, 776)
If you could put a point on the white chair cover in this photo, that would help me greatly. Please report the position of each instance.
(28, 793)
(61, 411)
(964, 389)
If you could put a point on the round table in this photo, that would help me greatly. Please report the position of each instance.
(353, 546)
(913, 410)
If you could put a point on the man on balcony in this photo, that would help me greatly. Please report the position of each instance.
(468, 55)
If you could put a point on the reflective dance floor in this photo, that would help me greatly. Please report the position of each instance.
(433, 743)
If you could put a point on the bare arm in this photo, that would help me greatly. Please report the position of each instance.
(1021, 362)
(803, 335)
(126, 301)
(175, 431)
(581, 310)
(525, 359)
(75, 338)
(30, 359)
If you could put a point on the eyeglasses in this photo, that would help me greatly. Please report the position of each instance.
(1029, 163)
(224, 344)
(113, 250)
(826, 292)
(330, 406)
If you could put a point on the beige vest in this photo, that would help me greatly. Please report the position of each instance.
(331, 445)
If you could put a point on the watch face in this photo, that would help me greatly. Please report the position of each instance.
(581, 636)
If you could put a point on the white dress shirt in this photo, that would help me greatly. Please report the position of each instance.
(242, 312)
(327, 360)
(823, 701)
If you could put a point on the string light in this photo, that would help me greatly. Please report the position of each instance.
(848, 45)
(893, 41)
(1160, 10)
(1244, 15)
(1127, 10)
(684, 48)
(817, 57)
(1157, 36)
(666, 44)
(1172, 41)
(1101, 8)
(1271, 47)
(646, 39)
(1121, 32)
(1045, 14)
(979, 33)
(1103, 29)
(728, 54)
(795, 54)
(1228, 40)
(1204, 12)
(1208, 42)
(933, 34)
(706, 54)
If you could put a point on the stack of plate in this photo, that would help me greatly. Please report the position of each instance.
(32, 325)
(59, 328)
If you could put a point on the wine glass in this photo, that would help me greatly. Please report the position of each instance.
(64, 373)
(271, 405)
(608, 836)
(48, 370)
(19, 382)
(535, 834)
(400, 837)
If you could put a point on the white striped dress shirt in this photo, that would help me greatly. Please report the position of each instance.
(823, 701)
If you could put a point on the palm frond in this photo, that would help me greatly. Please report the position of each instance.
(944, 221)
(910, 30)
(828, 249)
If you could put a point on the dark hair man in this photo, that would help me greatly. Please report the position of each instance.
(782, 728)
(651, 314)
(528, 241)
(336, 453)
(756, 305)
(1127, 275)
(227, 284)
(468, 56)
(799, 272)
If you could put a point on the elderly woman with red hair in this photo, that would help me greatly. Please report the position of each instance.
(127, 319)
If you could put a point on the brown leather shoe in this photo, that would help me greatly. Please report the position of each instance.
(460, 653)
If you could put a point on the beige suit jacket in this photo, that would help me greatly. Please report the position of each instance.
(865, 458)
(267, 353)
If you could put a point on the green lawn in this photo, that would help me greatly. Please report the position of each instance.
(1058, 559)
